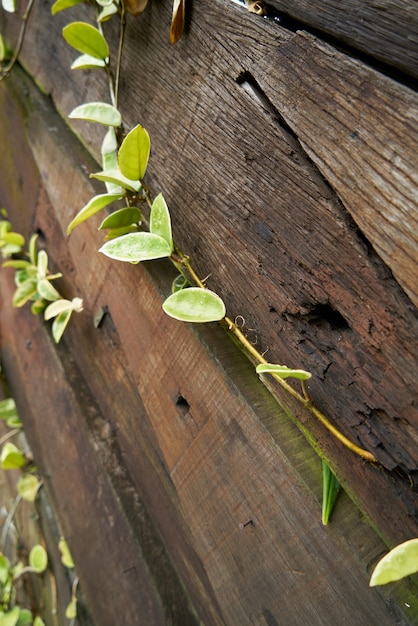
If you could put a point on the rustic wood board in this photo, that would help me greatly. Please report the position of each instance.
(274, 243)
(387, 30)
(203, 465)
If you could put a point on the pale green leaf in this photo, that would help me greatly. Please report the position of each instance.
(86, 39)
(60, 324)
(115, 177)
(160, 222)
(71, 610)
(15, 239)
(134, 153)
(61, 5)
(282, 371)
(28, 487)
(9, 5)
(24, 292)
(25, 618)
(10, 618)
(42, 264)
(98, 113)
(47, 291)
(8, 409)
(4, 568)
(38, 559)
(11, 457)
(38, 621)
(110, 143)
(66, 558)
(136, 247)
(33, 255)
(401, 561)
(61, 306)
(93, 206)
(16, 264)
(195, 305)
(107, 12)
(123, 217)
(87, 62)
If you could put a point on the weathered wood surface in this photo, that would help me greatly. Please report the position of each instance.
(283, 249)
(165, 433)
(387, 31)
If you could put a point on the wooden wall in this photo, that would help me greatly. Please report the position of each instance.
(286, 150)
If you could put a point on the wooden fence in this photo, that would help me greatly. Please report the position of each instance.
(285, 147)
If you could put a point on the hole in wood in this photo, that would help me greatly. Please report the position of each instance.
(325, 316)
(182, 404)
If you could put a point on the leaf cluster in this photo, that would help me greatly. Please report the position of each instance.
(34, 285)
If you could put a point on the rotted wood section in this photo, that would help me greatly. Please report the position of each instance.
(186, 492)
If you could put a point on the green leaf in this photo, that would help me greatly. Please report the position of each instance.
(195, 305)
(33, 255)
(38, 621)
(121, 218)
(10, 618)
(25, 618)
(160, 222)
(4, 568)
(87, 62)
(17, 264)
(110, 143)
(66, 558)
(38, 559)
(180, 282)
(330, 489)
(134, 153)
(401, 561)
(11, 457)
(60, 324)
(8, 409)
(24, 293)
(42, 264)
(61, 5)
(86, 39)
(136, 247)
(38, 306)
(28, 487)
(93, 206)
(15, 239)
(98, 113)
(71, 610)
(47, 291)
(9, 5)
(115, 177)
(282, 371)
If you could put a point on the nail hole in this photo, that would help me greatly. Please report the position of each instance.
(182, 404)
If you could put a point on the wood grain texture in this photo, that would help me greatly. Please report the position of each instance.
(260, 217)
(191, 428)
(188, 472)
(344, 116)
(387, 30)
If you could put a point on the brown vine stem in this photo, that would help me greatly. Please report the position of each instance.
(6, 71)
(302, 399)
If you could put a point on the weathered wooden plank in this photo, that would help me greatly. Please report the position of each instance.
(387, 30)
(270, 240)
(344, 116)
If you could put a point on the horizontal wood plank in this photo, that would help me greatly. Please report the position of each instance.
(387, 30)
